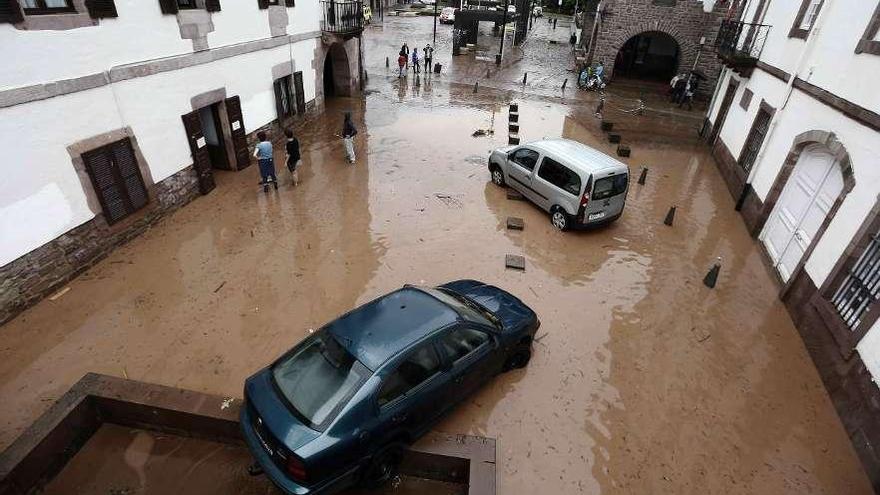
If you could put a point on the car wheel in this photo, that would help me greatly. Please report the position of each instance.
(382, 466)
(559, 219)
(497, 176)
(519, 359)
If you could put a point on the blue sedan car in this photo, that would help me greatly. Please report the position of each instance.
(340, 408)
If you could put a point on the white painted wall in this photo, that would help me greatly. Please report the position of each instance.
(44, 197)
(140, 33)
(40, 195)
(832, 63)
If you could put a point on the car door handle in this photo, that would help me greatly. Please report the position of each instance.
(459, 379)
(399, 417)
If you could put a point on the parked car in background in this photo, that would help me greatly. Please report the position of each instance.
(538, 11)
(447, 15)
(579, 186)
(511, 9)
(341, 406)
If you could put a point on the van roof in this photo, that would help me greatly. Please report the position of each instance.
(577, 154)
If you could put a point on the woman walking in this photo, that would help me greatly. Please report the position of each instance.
(348, 133)
(263, 152)
(293, 157)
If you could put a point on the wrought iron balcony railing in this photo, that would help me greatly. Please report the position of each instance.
(345, 17)
(739, 44)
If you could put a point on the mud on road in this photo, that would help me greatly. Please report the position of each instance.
(642, 380)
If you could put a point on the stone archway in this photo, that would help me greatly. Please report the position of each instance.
(337, 74)
(650, 55)
(608, 49)
(815, 140)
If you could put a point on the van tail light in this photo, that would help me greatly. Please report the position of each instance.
(585, 200)
(296, 468)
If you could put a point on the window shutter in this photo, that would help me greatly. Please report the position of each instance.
(100, 9)
(192, 123)
(212, 5)
(279, 108)
(263, 4)
(105, 181)
(299, 93)
(10, 11)
(290, 3)
(239, 138)
(132, 182)
(169, 6)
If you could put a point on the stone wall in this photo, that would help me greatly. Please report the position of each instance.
(46, 269)
(684, 20)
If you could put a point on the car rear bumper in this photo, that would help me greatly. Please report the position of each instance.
(277, 476)
(589, 224)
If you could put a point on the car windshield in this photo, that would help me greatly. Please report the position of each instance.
(318, 378)
(469, 310)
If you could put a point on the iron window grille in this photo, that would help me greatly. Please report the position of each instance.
(860, 289)
(755, 140)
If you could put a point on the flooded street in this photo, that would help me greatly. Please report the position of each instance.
(643, 381)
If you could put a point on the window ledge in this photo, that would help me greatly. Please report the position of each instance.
(870, 47)
(56, 22)
(798, 33)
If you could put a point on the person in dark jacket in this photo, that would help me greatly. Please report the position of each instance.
(293, 157)
(348, 133)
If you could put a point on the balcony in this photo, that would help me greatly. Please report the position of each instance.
(739, 45)
(342, 18)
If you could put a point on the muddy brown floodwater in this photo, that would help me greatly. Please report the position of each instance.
(642, 380)
(123, 461)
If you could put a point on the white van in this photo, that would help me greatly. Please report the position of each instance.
(579, 186)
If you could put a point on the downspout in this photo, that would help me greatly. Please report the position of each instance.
(595, 34)
(789, 88)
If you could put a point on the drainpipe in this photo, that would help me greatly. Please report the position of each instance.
(595, 33)
(789, 88)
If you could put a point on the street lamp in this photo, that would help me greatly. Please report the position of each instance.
(434, 43)
(503, 31)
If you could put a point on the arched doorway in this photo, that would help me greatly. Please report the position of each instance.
(337, 72)
(806, 201)
(651, 55)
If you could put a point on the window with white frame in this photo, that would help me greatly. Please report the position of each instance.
(810, 15)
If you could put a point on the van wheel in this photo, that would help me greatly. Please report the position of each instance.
(559, 219)
(382, 466)
(497, 176)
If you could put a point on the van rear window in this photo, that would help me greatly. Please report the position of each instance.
(607, 187)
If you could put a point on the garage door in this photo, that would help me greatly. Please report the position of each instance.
(808, 196)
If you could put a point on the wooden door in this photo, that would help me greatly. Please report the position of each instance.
(239, 138)
(808, 196)
(192, 123)
(722, 112)
(300, 95)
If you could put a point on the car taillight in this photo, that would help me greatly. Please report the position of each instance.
(585, 199)
(296, 468)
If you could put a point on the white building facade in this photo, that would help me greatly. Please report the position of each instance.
(116, 112)
(795, 131)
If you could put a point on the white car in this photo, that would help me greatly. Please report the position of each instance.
(447, 15)
(538, 12)
(511, 9)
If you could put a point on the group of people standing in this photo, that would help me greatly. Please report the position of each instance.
(682, 88)
(265, 155)
(405, 58)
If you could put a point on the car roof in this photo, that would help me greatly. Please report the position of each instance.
(577, 155)
(382, 328)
